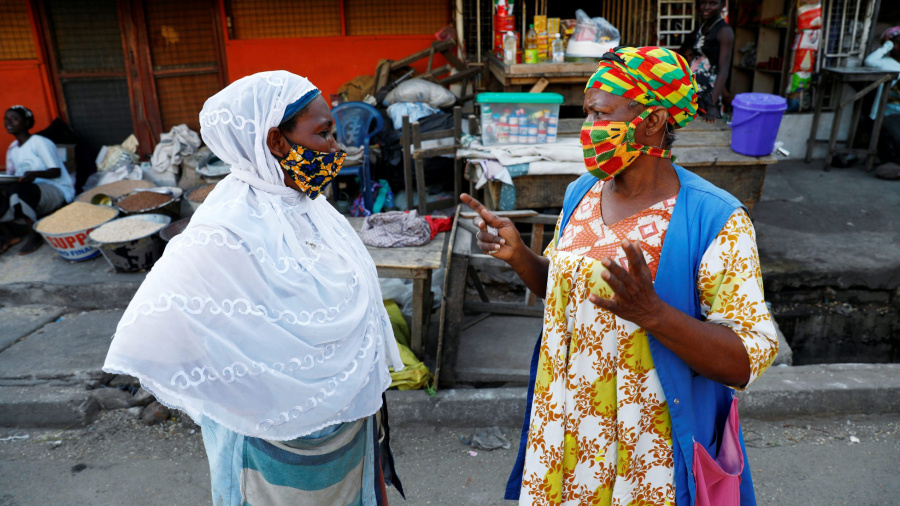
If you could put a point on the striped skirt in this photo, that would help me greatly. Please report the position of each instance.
(338, 465)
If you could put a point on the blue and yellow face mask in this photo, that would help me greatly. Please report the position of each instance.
(312, 170)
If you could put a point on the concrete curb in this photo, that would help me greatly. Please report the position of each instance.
(467, 407)
(46, 406)
(824, 389)
(782, 392)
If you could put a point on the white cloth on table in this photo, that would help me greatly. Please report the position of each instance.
(37, 154)
(565, 149)
(562, 157)
(265, 314)
(492, 170)
(395, 229)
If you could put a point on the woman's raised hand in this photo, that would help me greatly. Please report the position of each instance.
(497, 236)
(634, 298)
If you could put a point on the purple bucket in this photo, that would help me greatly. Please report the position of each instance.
(754, 126)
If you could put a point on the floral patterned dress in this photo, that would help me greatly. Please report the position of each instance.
(600, 431)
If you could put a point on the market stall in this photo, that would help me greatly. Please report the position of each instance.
(532, 181)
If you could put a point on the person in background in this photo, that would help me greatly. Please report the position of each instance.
(887, 57)
(654, 309)
(709, 50)
(44, 185)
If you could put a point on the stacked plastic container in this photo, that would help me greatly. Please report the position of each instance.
(519, 118)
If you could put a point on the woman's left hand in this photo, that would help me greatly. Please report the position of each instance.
(634, 298)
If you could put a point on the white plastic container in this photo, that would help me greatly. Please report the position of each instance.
(519, 118)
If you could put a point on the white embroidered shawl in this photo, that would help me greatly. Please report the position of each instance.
(265, 314)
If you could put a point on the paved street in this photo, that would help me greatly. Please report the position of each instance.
(118, 461)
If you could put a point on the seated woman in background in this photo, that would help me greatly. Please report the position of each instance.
(43, 186)
(887, 57)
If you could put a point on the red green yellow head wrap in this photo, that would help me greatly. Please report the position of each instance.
(652, 76)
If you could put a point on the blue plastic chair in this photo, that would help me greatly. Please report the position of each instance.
(357, 123)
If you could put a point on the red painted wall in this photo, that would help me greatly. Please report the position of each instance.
(328, 62)
(22, 82)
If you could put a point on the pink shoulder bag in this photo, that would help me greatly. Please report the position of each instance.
(718, 481)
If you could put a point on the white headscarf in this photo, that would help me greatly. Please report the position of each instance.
(265, 314)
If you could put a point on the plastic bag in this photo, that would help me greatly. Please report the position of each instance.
(123, 171)
(420, 90)
(414, 110)
(173, 146)
(606, 31)
(597, 29)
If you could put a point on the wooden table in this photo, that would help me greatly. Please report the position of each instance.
(872, 78)
(416, 263)
(568, 78)
(702, 148)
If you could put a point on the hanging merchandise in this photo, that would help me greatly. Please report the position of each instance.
(809, 16)
(806, 45)
(805, 50)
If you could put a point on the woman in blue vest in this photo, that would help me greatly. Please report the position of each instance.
(654, 310)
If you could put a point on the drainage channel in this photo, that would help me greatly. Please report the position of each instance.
(824, 326)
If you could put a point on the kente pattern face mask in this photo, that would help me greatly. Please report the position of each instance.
(312, 170)
(609, 146)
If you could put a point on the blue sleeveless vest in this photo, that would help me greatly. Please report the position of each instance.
(697, 406)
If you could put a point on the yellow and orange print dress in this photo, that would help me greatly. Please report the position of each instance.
(600, 432)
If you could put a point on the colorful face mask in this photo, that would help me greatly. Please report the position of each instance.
(609, 146)
(312, 170)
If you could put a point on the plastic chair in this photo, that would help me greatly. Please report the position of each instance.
(357, 123)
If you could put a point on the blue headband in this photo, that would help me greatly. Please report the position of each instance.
(299, 104)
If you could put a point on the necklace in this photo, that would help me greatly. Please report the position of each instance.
(701, 35)
(709, 26)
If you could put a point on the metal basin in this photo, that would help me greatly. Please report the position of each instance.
(134, 254)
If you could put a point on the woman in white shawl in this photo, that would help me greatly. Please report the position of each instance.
(263, 320)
